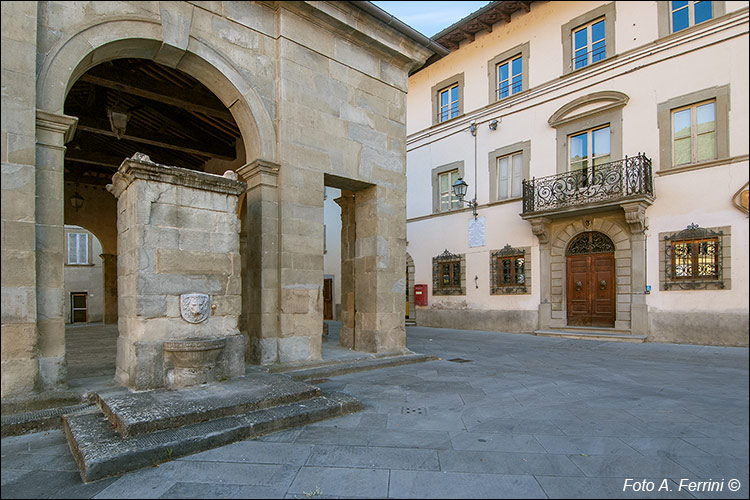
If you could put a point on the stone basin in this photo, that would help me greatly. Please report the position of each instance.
(194, 360)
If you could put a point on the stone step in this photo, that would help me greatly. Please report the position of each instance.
(38, 420)
(100, 451)
(143, 412)
(341, 368)
(592, 334)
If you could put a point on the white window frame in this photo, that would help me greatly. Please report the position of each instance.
(589, 42)
(694, 132)
(691, 14)
(590, 158)
(451, 106)
(81, 241)
(445, 206)
(512, 174)
(511, 77)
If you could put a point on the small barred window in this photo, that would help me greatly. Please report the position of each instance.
(693, 258)
(448, 274)
(508, 270)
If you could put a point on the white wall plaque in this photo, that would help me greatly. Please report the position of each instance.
(476, 232)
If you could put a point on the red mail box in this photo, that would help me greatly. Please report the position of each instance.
(420, 295)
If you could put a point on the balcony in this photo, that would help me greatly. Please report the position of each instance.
(601, 186)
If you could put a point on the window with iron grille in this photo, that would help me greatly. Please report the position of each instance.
(693, 259)
(448, 274)
(509, 270)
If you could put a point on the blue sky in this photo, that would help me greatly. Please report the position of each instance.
(430, 18)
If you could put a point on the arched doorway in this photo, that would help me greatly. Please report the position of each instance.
(590, 280)
(65, 68)
(411, 313)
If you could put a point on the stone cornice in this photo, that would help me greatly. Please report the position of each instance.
(141, 167)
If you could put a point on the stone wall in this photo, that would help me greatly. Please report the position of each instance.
(178, 234)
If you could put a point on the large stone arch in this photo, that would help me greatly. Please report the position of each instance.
(562, 235)
(143, 38)
(106, 39)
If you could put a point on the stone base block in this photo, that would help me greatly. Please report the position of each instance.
(702, 327)
(488, 320)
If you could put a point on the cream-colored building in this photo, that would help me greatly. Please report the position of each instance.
(606, 146)
(84, 286)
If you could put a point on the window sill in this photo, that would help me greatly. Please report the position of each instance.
(79, 265)
(705, 164)
(572, 71)
(515, 94)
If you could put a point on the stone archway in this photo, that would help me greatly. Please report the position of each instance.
(104, 40)
(411, 313)
(563, 234)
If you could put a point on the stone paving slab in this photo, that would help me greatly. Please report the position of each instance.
(133, 413)
(667, 400)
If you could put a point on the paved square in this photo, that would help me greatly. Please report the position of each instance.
(527, 417)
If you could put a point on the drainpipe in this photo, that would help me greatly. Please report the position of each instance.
(401, 27)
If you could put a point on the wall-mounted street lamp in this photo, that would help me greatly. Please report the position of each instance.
(459, 189)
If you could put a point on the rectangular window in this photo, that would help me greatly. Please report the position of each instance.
(508, 271)
(510, 176)
(448, 103)
(447, 274)
(589, 44)
(689, 13)
(448, 200)
(511, 270)
(589, 148)
(510, 77)
(694, 133)
(695, 259)
(78, 248)
(450, 274)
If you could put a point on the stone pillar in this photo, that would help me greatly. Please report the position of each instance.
(109, 278)
(53, 131)
(261, 258)
(178, 270)
(301, 195)
(540, 228)
(20, 367)
(380, 259)
(635, 216)
(348, 248)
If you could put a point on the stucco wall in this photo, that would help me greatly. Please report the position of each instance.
(649, 70)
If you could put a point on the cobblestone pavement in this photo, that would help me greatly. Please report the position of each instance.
(499, 416)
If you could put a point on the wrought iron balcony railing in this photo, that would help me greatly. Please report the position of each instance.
(608, 181)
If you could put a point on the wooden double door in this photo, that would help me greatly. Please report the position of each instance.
(591, 289)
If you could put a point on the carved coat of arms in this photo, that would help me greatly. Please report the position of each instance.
(195, 307)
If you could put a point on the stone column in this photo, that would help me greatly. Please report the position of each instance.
(178, 270)
(379, 264)
(348, 248)
(261, 257)
(20, 367)
(109, 278)
(540, 227)
(53, 131)
(635, 216)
